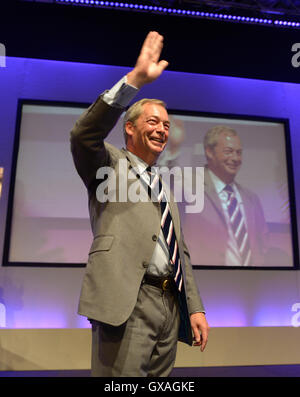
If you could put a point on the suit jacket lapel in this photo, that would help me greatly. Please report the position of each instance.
(131, 166)
(131, 162)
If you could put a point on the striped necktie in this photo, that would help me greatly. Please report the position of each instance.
(238, 226)
(167, 225)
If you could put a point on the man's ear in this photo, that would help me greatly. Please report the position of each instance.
(209, 153)
(129, 128)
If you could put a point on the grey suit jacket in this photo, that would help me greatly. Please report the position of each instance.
(125, 233)
(212, 237)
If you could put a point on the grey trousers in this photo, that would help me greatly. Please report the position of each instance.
(145, 345)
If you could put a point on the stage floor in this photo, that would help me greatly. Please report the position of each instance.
(236, 371)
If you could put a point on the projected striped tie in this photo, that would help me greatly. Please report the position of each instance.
(238, 226)
(166, 225)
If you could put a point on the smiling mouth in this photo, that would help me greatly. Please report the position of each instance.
(233, 166)
(158, 140)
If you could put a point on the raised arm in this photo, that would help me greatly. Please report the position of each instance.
(89, 132)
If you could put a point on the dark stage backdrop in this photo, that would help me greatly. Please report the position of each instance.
(90, 35)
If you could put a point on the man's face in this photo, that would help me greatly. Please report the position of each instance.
(225, 158)
(148, 136)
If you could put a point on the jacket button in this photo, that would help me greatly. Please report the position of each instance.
(154, 237)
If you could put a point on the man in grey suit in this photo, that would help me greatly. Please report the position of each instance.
(137, 310)
(232, 213)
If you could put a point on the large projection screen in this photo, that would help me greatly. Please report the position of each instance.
(48, 220)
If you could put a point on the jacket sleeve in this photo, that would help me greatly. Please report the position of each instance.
(87, 139)
(194, 300)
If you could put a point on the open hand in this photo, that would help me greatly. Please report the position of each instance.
(148, 67)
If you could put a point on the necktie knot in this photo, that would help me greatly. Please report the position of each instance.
(230, 193)
(151, 171)
(228, 189)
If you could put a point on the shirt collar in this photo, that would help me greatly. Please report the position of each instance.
(217, 182)
(141, 164)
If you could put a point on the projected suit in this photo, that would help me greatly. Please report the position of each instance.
(210, 243)
(115, 294)
(231, 228)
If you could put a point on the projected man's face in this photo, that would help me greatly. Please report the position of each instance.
(225, 158)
